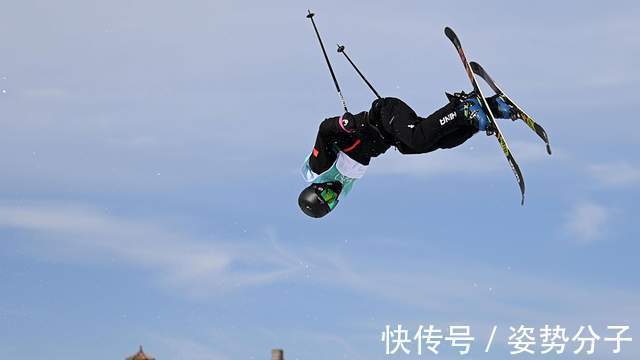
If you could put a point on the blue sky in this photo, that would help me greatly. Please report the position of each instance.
(151, 155)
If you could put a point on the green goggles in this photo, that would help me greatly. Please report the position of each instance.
(329, 192)
(330, 197)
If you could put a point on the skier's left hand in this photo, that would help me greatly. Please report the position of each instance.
(354, 123)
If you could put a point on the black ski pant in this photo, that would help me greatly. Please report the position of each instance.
(446, 128)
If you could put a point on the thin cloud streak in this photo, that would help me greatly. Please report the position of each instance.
(199, 267)
(214, 268)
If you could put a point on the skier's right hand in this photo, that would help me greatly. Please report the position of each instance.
(354, 123)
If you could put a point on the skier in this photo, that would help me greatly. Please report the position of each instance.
(345, 145)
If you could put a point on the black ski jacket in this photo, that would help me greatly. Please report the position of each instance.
(389, 122)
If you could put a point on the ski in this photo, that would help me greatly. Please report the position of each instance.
(496, 130)
(480, 71)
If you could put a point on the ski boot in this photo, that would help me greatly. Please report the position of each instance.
(500, 108)
(469, 105)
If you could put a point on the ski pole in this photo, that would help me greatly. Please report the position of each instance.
(333, 75)
(341, 50)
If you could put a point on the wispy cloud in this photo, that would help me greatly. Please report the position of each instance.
(619, 173)
(587, 222)
(204, 268)
(199, 267)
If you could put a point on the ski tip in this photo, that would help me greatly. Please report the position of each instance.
(452, 36)
(522, 201)
(548, 149)
(449, 31)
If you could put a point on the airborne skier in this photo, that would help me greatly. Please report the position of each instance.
(345, 144)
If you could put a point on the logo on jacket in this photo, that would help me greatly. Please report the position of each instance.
(447, 118)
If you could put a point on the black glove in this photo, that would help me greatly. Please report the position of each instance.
(354, 123)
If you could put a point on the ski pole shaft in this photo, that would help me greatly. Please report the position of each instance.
(333, 75)
(341, 50)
